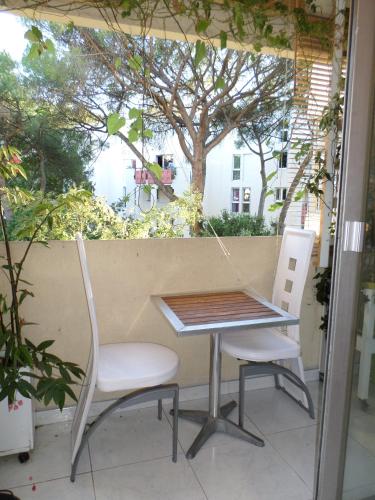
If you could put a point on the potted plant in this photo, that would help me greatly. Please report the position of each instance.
(27, 370)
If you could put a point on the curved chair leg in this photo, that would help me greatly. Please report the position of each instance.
(175, 424)
(256, 369)
(136, 397)
(160, 408)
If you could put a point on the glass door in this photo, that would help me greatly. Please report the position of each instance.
(359, 476)
(346, 459)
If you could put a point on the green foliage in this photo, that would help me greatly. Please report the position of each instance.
(91, 216)
(323, 291)
(170, 221)
(56, 153)
(228, 224)
(114, 123)
(246, 20)
(22, 360)
(200, 52)
(38, 45)
(275, 206)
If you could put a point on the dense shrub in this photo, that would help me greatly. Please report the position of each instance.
(228, 224)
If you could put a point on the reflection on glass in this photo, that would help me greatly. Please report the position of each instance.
(359, 479)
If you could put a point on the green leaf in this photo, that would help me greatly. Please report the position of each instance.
(271, 175)
(114, 123)
(268, 30)
(202, 25)
(137, 124)
(148, 133)
(200, 52)
(34, 52)
(135, 63)
(269, 193)
(26, 389)
(133, 135)
(33, 35)
(275, 206)
(156, 169)
(49, 46)
(69, 391)
(135, 113)
(117, 63)
(147, 189)
(45, 344)
(299, 195)
(69, 27)
(220, 83)
(223, 40)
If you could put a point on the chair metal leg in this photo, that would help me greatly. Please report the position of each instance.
(255, 369)
(241, 396)
(140, 396)
(160, 408)
(175, 424)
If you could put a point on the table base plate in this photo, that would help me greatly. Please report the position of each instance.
(211, 424)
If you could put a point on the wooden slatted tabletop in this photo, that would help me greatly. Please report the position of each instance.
(210, 308)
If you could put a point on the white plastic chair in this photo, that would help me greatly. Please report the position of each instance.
(266, 349)
(142, 366)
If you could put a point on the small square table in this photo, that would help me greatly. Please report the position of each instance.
(213, 314)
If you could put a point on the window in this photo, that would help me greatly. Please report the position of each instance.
(246, 200)
(283, 160)
(284, 135)
(236, 172)
(165, 161)
(280, 194)
(235, 199)
(241, 200)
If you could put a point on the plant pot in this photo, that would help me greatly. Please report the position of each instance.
(17, 427)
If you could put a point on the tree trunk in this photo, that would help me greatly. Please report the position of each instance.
(198, 179)
(263, 176)
(291, 192)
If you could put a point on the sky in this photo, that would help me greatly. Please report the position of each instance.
(12, 35)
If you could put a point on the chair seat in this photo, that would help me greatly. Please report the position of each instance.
(134, 365)
(263, 344)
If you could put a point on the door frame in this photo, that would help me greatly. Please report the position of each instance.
(358, 121)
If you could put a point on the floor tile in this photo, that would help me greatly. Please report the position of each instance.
(361, 493)
(155, 480)
(59, 489)
(297, 448)
(129, 437)
(49, 460)
(362, 429)
(240, 471)
(360, 466)
(272, 411)
(187, 431)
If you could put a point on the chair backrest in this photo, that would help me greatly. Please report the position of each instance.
(292, 268)
(88, 387)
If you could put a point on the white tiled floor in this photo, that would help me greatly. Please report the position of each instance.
(129, 458)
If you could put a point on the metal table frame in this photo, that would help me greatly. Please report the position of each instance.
(215, 419)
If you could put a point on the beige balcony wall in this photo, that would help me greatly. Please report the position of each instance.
(125, 274)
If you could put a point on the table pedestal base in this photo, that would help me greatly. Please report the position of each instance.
(211, 424)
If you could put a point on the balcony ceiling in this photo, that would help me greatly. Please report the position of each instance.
(162, 25)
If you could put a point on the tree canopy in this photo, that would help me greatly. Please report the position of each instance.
(140, 87)
(57, 154)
